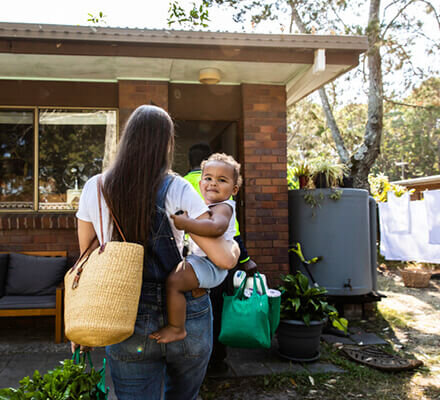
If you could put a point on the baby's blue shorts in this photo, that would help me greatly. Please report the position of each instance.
(208, 275)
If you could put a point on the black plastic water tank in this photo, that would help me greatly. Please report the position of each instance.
(339, 231)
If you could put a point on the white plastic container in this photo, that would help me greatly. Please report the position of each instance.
(269, 292)
(240, 275)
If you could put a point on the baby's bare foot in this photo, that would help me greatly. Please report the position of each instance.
(168, 334)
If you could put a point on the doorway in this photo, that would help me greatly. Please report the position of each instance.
(220, 135)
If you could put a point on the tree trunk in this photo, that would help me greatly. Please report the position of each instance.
(365, 156)
(361, 162)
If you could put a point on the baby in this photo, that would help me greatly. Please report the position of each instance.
(220, 180)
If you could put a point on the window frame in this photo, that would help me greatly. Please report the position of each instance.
(36, 112)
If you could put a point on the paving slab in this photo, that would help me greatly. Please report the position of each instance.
(243, 369)
(336, 339)
(322, 368)
(367, 338)
(283, 367)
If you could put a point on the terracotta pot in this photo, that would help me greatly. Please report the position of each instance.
(303, 181)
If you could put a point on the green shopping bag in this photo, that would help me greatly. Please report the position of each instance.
(245, 321)
(274, 313)
(100, 392)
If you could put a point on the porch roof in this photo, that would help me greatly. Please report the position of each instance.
(302, 63)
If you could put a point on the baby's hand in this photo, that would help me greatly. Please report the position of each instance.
(180, 219)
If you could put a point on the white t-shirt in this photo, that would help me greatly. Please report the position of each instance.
(228, 235)
(180, 196)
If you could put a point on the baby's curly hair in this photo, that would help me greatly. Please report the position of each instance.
(229, 160)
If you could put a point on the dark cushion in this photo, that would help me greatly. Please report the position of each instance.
(22, 302)
(32, 275)
(4, 258)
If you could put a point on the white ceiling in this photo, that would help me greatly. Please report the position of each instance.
(114, 68)
(299, 79)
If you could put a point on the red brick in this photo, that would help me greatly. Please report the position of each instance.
(270, 189)
(253, 159)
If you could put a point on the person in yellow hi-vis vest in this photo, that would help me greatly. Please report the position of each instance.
(198, 153)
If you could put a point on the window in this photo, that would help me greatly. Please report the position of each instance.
(16, 159)
(73, 145)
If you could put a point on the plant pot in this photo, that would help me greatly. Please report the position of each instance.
(297, 341)
(303, 181)
(320, 181)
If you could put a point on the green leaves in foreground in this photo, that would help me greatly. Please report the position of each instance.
(300, 301)
(69, 381)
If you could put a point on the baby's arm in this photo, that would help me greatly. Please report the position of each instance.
(215, 226)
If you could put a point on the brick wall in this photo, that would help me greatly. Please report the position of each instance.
(19, 232)
(264, 161)
(132, 94)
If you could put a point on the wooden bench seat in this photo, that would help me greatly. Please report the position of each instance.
(27, 306)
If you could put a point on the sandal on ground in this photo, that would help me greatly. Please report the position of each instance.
(377, 358)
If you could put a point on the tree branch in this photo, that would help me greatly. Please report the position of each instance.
(347, 28)
(397, 16)
(436, 16)
(336, 133)
(400, 103)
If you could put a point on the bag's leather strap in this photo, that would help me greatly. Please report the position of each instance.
(102, 247)
(111, 213)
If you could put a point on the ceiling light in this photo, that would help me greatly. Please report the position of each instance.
(209, 76)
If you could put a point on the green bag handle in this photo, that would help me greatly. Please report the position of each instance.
(79, 357)
(240, 290)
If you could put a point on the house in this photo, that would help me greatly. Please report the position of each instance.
(420, 185)
(66, 92)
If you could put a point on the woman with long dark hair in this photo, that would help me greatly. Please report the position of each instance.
(142, 194)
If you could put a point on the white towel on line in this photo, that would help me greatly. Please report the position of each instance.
(398, 213)
(432, 207)
(413, 246)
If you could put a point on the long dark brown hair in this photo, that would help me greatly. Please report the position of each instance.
(143, 159)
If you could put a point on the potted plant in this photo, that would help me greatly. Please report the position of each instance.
(326, 173)
(302, 171)
(304, 311)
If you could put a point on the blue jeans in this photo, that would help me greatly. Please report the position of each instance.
(143, 369)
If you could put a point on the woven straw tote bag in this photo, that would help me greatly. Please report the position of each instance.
(102, 291)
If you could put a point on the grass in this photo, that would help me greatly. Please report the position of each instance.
(394, 318)
(357, 382)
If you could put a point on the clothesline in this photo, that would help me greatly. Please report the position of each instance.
(410, 230)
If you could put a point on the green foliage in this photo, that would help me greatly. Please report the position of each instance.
(306, 303)
(301, 168)
(196, 16)
(308, 135)
(412, 134)
(335, 195)
(69, 381)
(333, 172)
(380, 186)
(313, 199)
(292, 179)
(97, 19)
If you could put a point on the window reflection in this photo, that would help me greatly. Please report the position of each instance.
(16, 159)
(73, 146)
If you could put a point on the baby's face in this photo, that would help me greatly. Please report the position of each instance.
(217, 183)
